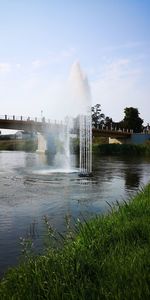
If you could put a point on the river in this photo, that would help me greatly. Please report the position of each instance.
(30, 190)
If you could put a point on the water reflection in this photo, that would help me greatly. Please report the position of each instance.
(132, 178)
(132, 173)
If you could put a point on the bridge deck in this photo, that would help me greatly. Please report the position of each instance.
(111, 133)
(26, 124)
(41, 125)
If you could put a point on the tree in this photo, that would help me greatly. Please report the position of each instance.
(132, 119)
(97, 117)
(108, 123)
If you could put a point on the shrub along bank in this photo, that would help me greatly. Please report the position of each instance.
(108, 258)
(122, 149)
(18, 145)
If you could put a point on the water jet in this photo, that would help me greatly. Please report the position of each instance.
(82, 97)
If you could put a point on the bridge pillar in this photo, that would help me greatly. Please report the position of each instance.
(114, 141)
(118, 140)
(42, 143)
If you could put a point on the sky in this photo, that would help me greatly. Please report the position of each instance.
(41, 40)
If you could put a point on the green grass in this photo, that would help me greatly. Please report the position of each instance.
(105, 258)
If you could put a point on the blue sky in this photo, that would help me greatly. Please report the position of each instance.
(40, 40)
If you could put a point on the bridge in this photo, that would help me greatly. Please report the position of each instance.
(42, 125)
(26, 123)
(112, 133)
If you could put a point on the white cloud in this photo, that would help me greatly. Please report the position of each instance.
(116, 69)
(118, 87)
(61, 56)
(54, 58)
(5, 67)
(37, 63)
(18, 66)
(31, 83)
(68, 53)
(129, 45)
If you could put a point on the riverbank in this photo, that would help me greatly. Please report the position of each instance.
(108, 258)
(18, 145)
(122, 149)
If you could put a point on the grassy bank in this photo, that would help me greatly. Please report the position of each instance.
(122, 149)
(107, 259)
(18, 145)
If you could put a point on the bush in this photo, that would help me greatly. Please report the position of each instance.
(18, 145)
(122, 149)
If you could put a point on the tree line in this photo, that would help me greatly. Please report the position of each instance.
(131, 120)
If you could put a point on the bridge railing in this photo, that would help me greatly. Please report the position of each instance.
(27, 119)
(106, 128)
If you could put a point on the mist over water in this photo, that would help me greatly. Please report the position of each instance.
(56, 143)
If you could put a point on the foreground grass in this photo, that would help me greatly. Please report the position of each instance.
(109, 258)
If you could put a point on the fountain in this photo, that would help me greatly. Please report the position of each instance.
(58, 136)
(85, 146)
(82, 98)
(58, 146)
(62, 137)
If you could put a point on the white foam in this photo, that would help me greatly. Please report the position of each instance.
(52, 171)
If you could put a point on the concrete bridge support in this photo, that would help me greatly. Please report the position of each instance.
(119, 140)
(42, 143)
(52, 140)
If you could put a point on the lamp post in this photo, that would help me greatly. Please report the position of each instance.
(41, 114)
